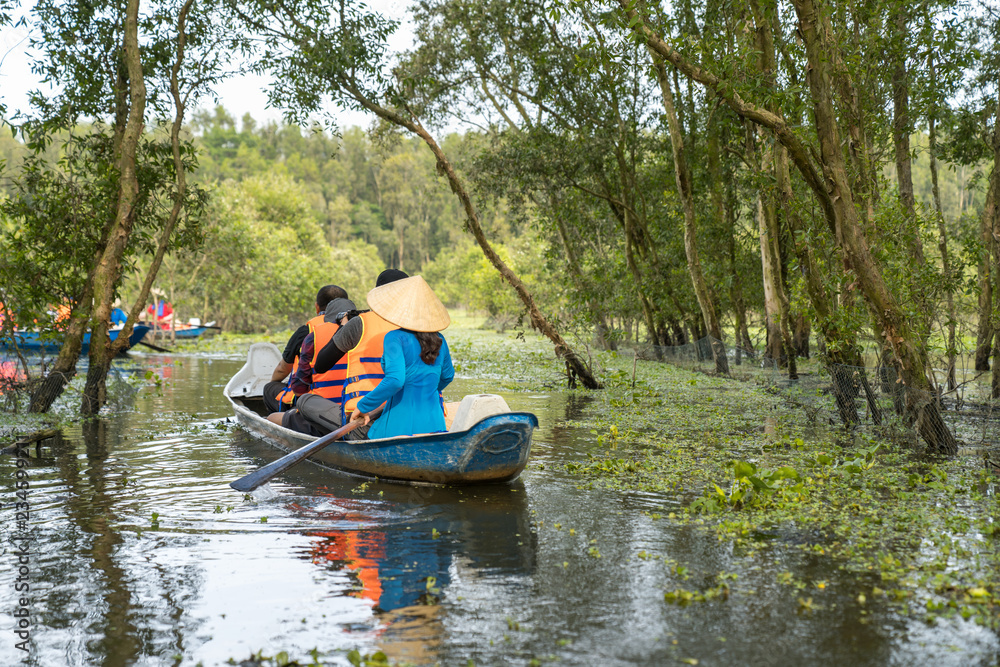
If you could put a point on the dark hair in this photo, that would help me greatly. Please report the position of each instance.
(389, 276)
(328, 293)
(430, 345)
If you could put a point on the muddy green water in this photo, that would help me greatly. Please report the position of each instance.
(141, 554)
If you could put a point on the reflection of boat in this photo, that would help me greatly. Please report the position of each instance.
(403, 548)
(31, 340)
(486, 442)
(487, 529)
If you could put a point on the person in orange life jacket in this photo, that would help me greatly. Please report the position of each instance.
(415, 361)
(277, 395)
(303, 380)
(356, 351)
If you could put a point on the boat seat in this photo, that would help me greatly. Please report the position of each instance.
(261, 361)
(474, 408)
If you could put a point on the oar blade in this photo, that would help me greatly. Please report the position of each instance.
(266, 473)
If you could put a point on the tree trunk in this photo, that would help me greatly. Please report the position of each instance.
(109, 267)
(991, 218)
(777, 307)
(54, 383)
(800, 339)
(577, 369)
(743, 343)
(901, 128)
(772, 304)
(951, 351)
(987, 230)
(984, 328)
(684, 188)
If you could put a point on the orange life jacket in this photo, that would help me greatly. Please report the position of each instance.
(364, 361)
(329, 385)
(63, 311)
(286, 396)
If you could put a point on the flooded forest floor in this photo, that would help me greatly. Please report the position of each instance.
(673, 516)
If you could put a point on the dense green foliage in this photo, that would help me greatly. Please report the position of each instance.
(53, 217)
(267, 180)
(656, 174)
(263, 258)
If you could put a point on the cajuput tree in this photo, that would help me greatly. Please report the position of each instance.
(820, 160)
(320, 51)
(122, 66)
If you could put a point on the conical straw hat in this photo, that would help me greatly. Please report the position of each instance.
(411, 304)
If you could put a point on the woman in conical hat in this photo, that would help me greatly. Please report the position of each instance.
(415, 360)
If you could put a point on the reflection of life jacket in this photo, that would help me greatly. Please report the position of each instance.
(364, 361)
(329, 385)
(361, 552)
(286, 396)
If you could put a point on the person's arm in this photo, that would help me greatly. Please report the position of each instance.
(347, 336)
(281, 371)
(301, 382)
(447, 369)
(394, 367)
(291, 351)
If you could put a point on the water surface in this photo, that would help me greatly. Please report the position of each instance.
(143, 555)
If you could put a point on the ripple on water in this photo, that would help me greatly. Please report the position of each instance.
(144, 552)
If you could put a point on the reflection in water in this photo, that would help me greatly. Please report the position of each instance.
(90, 506)
(576, 405)
(408, 541)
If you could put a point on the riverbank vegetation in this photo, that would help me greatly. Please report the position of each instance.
(775, 478)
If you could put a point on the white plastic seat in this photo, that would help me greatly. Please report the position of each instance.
(476, 407)
(250, 380)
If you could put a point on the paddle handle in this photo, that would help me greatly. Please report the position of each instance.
(266, 473)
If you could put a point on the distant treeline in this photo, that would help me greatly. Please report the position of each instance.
(291, 209)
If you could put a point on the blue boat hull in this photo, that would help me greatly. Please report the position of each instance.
(29, 340)
(194, 332)
(494, 450)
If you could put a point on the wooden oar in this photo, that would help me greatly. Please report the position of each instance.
(155, 347)
(265, 474)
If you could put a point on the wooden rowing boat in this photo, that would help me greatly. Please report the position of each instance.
(32, 341)
(486, 442)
